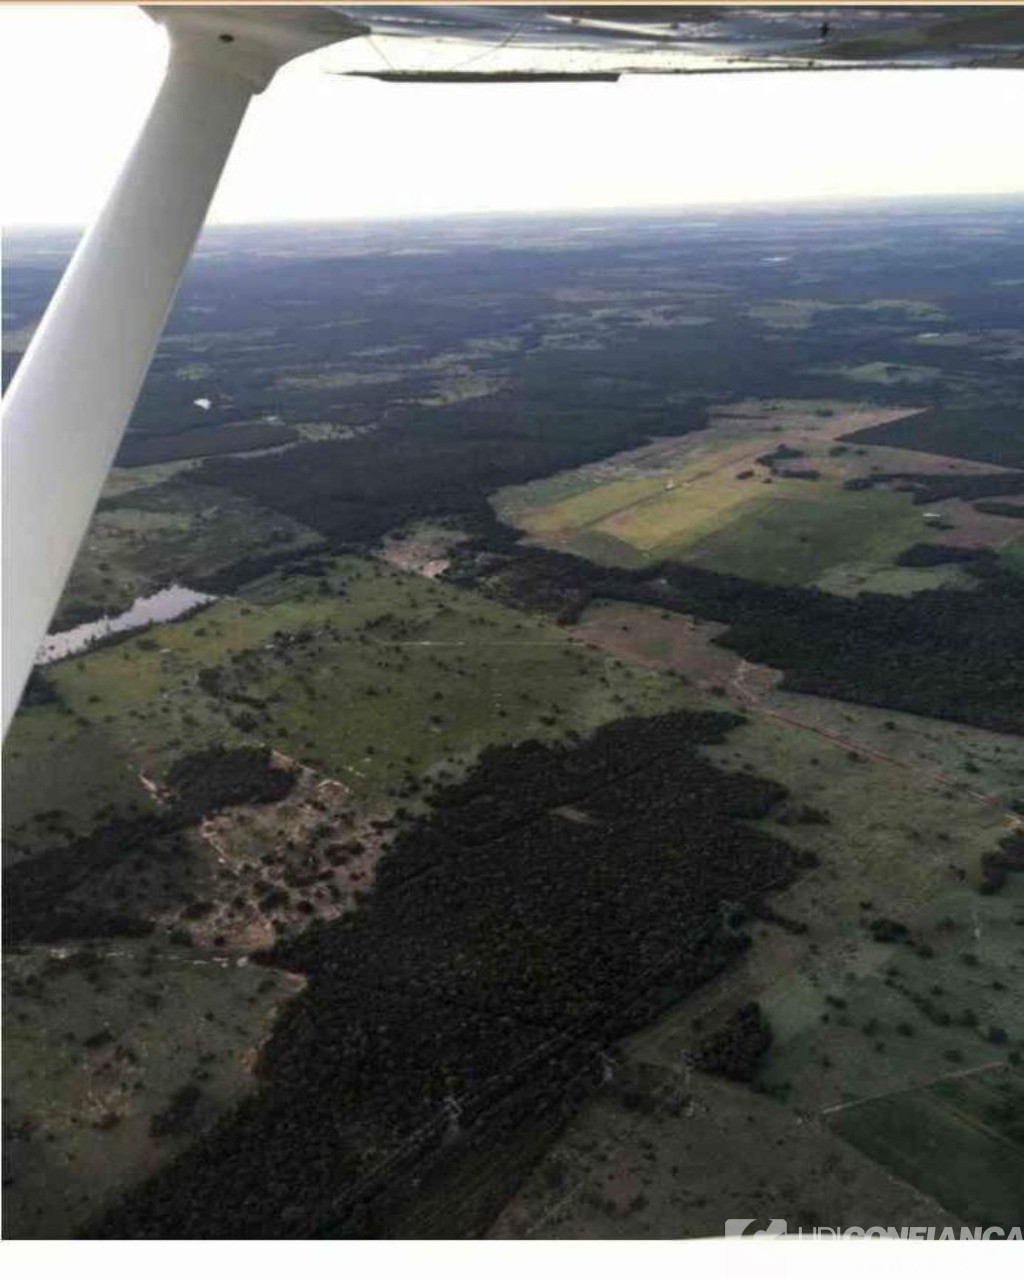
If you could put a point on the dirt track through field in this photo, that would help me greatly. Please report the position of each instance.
(751, 700)
(895, 1092)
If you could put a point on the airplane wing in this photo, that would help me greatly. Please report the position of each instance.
(476, 43)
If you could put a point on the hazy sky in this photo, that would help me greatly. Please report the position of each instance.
(75, 83)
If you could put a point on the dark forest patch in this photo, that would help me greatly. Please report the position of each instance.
(470, 999)
(1009, 510)
(208, 780)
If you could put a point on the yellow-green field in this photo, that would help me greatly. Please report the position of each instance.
(706, 499)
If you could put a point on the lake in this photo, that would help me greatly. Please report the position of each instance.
(162, 606)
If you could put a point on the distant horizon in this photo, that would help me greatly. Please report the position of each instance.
(748, 207)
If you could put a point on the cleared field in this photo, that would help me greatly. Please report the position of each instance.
(739, 431)
(662, 1154)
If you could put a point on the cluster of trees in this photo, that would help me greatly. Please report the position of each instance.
(39, 690)
(57, 893)
(210, 779)
(998, 865)
(1009, 510)
(930, 488)
(505, 945)
(735, 1051)
(177, 1117)
(930, 555)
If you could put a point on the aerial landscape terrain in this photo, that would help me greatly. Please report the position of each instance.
(532, 745)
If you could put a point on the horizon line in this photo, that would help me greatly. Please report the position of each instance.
(564, 211)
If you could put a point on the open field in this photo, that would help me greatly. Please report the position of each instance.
(371, 677)
(98, 1043)
(667, 1154)
(788, 539)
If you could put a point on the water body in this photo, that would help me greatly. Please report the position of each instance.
(162, 606)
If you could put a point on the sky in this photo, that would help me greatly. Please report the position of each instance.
(76, 81)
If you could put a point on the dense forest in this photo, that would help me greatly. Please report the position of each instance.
(556, 898)
(433, 462)
(986, 433)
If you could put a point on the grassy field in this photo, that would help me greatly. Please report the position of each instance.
(960, 1139)
(392, 674)
(97, 1042)
(665, 1155)
(1012, 555)
(793, 539)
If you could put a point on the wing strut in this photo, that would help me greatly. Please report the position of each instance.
(71, 398)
